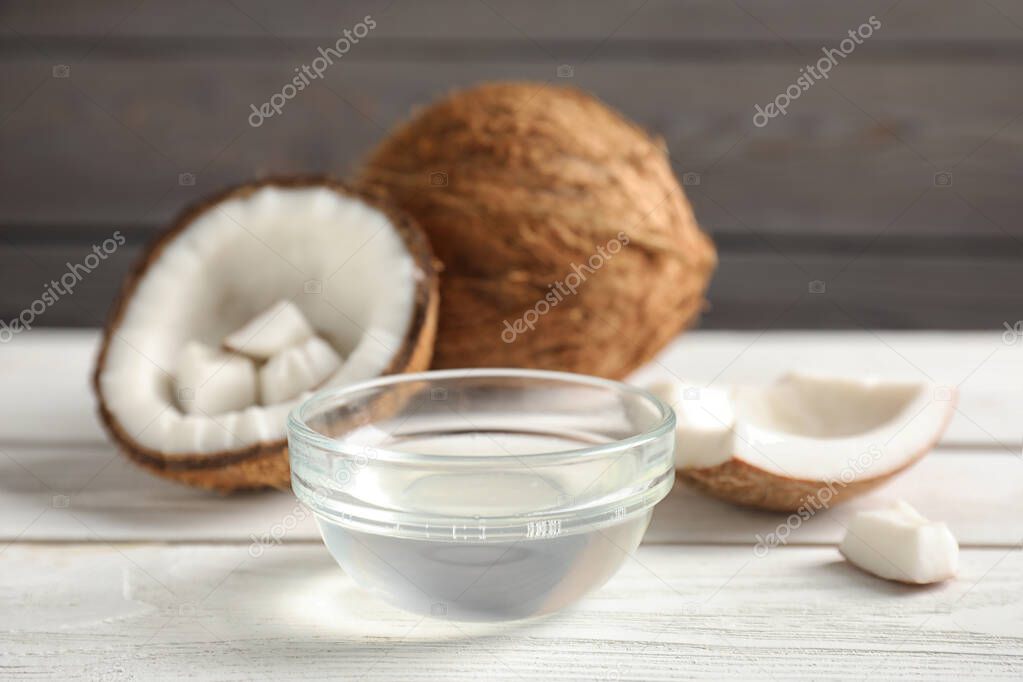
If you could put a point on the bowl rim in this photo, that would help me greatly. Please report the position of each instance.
(297, 427)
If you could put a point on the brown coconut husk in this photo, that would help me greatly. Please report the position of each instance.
(516, 184)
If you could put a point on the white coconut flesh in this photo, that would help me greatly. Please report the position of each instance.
(210, 381)
(292, 371)
(339, 260)
(280, 327)
(808, 427)
(899, 544)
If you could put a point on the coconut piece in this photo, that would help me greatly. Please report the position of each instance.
(900, 544)
(279, 327)
(212, 382)
(296, 370)
(704, 428)
(566, 240)
(805, 436)
(361, 271)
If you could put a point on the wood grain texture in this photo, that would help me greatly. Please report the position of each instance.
(751, 290)
(49, 401)
(84, 612)
(757, 291)
(107, 573)
(93, 494)
(912, 20)
(159, 92)
(856, 155)
(61, 480)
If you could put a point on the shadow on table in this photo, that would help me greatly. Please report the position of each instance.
(319, 620)
(860, 579)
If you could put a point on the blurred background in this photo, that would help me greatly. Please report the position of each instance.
(888, 194)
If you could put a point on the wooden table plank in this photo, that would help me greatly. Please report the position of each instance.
(159, 612)
(968, 284)
(62, 481)
(92, 494)
(112, 140)
(105, 607)
(47, 398)
(527, 21)
(985, 367)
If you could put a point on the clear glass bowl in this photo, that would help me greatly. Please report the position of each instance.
(482, 494)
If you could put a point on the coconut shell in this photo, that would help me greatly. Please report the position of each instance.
(742, 483)
(265, 464)
(520, 187)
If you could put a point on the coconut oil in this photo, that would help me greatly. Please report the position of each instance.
(483, 581)
(456, 571)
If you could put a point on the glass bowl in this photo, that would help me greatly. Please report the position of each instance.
(482, 494)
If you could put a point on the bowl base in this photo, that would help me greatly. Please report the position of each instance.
(484, 581)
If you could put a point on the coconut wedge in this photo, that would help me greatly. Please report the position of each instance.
(900, 544)
(295, 370)
(804, 438)
(361, 273)
(209, 381)
(280, 327)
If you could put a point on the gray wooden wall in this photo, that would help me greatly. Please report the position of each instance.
(896, 182)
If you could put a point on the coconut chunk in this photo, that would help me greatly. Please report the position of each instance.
(900, 544)
(279, 327)
(295, 370)
(210, 381)
(704, 422)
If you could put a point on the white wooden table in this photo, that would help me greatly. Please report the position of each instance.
(107, 572)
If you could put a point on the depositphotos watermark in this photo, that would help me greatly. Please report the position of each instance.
(308, 72)
(809, 75)
(563, 288)
(345, 470)
(275, 534)
(1013, 333)
(821, 499)
(65, 286)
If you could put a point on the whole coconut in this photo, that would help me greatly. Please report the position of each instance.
(565, 239)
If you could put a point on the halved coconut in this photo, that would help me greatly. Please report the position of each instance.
(806, 439)
(359, 271)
